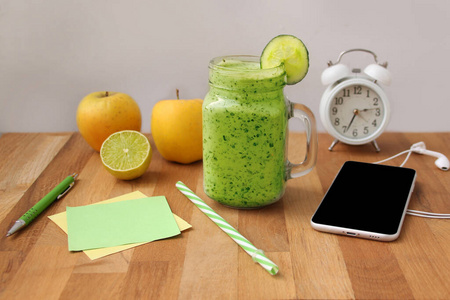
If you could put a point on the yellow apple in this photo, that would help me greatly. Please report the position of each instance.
(101, 114)
(176, 127)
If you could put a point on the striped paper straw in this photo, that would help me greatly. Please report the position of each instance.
(257, 254)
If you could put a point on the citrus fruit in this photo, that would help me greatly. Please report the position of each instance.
(126, 154)
(289, 51)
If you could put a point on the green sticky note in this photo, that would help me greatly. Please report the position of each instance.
(120, 223)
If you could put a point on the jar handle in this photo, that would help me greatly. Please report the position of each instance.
(303, 113)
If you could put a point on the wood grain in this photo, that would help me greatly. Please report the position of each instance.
(203, 262)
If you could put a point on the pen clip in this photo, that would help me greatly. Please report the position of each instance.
(65, 191)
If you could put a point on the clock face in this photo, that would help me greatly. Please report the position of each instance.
(356, 111)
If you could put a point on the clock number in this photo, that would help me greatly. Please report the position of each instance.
(336, 122)
(357, 90)
(334, 110)
(355, 132)
(375, 101)
(346, 92)
(338, 100)
(377, 112)
(366, 130)
(374, 123)
(368, 93)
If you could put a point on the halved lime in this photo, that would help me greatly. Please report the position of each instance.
(126, 154)
(290, 51)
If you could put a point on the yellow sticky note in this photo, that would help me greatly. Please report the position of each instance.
(61, 220)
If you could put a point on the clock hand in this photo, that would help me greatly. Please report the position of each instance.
(360, 110)
(355, 112)
(366, 109)
(362, 118)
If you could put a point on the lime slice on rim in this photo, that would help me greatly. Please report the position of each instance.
(126, 154)
(290, 51)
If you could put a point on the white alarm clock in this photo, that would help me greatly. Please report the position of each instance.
(354, 109)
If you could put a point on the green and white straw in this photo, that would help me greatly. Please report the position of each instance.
(257, 254)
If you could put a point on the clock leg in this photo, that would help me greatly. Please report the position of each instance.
(335, 142)
(374, 143)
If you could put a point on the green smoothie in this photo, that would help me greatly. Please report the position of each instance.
(244, 133)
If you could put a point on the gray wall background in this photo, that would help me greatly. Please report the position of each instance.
(53, 52)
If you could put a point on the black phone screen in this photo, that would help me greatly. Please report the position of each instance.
(367, 197)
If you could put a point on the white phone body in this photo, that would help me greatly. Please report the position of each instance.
(366, 201)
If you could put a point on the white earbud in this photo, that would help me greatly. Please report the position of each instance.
(442, 161)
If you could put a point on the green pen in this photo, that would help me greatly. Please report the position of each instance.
(57, 193)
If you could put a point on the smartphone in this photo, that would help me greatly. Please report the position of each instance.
(366, 201)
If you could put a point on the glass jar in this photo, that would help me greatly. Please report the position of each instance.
(245, 133)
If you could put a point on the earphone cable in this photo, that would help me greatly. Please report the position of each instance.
(412, 212)
(396, 155)
(420, 214)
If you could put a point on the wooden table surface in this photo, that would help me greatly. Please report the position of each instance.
(203, 262)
